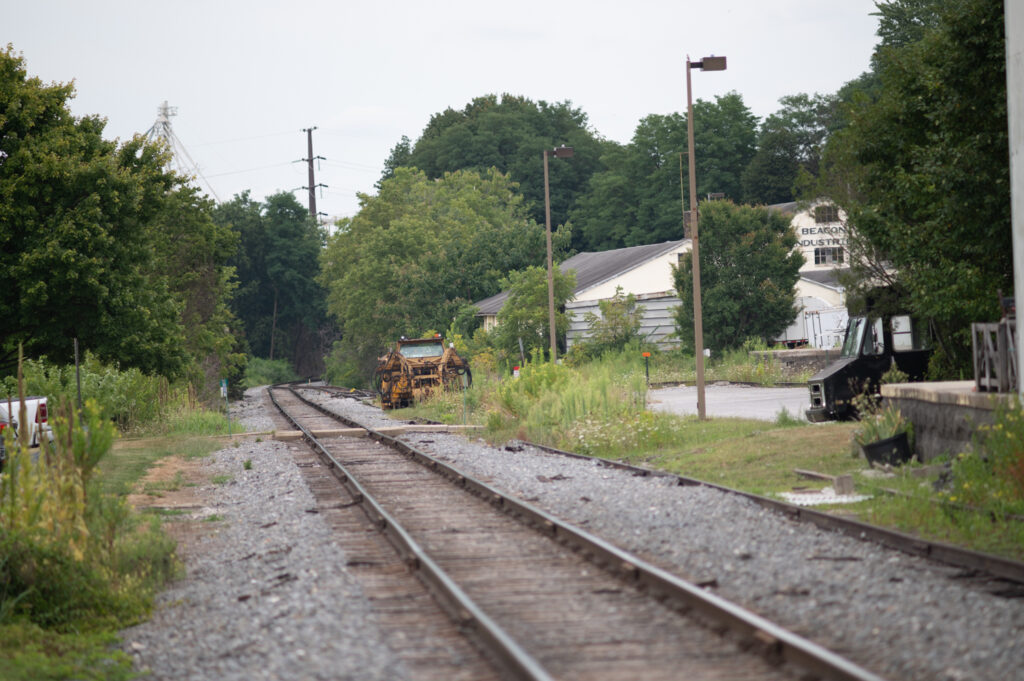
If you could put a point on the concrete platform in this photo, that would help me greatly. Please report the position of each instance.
(946, 414)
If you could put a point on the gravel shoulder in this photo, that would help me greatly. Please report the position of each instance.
(265, 595)
(901, 616)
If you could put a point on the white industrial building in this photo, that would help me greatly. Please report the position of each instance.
(645, 271)
(820, 229)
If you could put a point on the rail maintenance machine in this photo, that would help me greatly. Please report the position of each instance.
(415, 367)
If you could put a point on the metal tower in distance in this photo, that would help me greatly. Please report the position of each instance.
(181, 161)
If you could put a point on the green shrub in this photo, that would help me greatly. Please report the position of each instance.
(50, 587)
(261, 371)
(128, 397)
(992, 476)
(880, 425)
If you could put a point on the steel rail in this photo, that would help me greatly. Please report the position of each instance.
(774, 641)
(997, 566)
(459, 606)
(957, 556)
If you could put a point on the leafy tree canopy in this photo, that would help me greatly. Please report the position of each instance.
(419, 251)
(637, 200)
(903, 22)
(509, 133)
(78, 253)
(748, 272)
(790, 142)
(279, 301)
(192, 252)
(526, 316)
(922, 169)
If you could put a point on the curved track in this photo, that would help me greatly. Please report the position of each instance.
(540, 608)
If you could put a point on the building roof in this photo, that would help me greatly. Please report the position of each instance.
(828, 278)
(788, 208)
(594, 268)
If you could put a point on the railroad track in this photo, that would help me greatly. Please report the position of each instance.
(1006, 574)
(542, 599)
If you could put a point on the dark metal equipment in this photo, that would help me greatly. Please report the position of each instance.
(872, 346)
(415, 368)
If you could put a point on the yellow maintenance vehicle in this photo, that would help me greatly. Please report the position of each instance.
(417, 366)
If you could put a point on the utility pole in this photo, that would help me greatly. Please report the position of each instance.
(312, 181)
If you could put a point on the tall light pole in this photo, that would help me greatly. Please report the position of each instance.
(706, 64)
(561, 152)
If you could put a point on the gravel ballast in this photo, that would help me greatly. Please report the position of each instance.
(266, 596)
(901, 616)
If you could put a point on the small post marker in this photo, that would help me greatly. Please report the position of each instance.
(647, 367)
(227, 407)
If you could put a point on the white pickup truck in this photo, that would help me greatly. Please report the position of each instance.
(36, 418)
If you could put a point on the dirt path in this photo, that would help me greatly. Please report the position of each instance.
(174, 488)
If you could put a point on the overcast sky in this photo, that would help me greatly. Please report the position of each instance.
(248, 76)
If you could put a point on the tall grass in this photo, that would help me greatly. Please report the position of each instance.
(128, 397)
(598, 408)
(736, 365)
(261, 371)
(74, 559)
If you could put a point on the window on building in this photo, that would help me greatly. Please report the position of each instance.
(828, 256)
(824, 214)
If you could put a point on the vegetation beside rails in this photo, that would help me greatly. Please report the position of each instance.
(136, 402)
(599, 409)
(77, 564)
(975, 498)
(261, 371)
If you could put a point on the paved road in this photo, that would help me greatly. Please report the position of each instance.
(732, 400)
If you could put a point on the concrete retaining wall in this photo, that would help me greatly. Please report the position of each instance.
(945, 414)
(796, 361)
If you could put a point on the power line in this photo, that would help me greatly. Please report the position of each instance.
(250, 170)
(243, 139)
(349, 164)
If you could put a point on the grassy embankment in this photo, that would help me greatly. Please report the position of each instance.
(599, 409)
(77, 564)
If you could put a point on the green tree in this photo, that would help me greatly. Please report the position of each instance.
(244, 217)
(637, 200)
(192, 252)
(294, 243)
(748, 269)
(903, 22)
(923, 175)
(77, 253)
(526, 315)
(509, 133)
(617, 325)
(418, 252)
(280, 302)
(790, 142)
(401, 156)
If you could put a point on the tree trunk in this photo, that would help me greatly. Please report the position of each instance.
(273, 326)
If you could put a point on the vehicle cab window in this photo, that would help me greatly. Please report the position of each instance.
(875, 344)
(854, 337)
